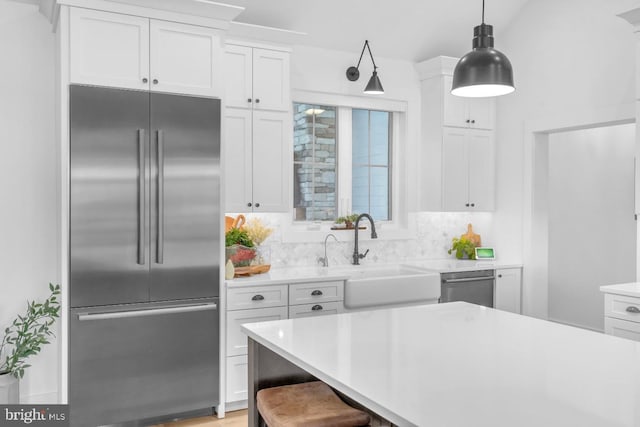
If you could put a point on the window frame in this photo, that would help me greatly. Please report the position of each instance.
(398, 226)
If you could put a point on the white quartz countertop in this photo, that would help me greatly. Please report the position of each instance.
(342, 272)
(277, 276)
(453, 265)
(459, 364)
(629, 289)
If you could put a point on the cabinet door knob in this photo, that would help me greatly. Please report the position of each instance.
(257, 205)
(466, 204)
(249, 100)
(473, 121)
(499, 276)
(249, 204)
(155, 81)
(632, 309)
(316, 307)
(145, 80)
(473, 205)
(257, 298)
(468, 120)
(257, 100)
(316, 293)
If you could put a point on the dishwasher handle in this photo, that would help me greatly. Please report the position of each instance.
(147, 312)
(468, 279)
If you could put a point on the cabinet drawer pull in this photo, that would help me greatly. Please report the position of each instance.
(257, 298)
(316, 293)
(316, 307)
(632, 309)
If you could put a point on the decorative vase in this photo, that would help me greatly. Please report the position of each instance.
(263, 255)
(9, 390)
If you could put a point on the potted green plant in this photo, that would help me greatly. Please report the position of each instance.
(463, 247)
(24, 338)
(347, 220)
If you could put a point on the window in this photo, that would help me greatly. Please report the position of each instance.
(359, 154)
(314, 162)
(371, 177)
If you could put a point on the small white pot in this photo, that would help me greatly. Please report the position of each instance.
(9, 390)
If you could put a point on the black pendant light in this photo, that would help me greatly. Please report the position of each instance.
(484, 71)
(374, 87)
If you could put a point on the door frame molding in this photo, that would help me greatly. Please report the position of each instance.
(535, 247)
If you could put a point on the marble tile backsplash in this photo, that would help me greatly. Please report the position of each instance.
(433, 233)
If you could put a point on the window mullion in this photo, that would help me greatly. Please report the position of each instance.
(345, 160)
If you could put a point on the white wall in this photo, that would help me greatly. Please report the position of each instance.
(28, 213)
(568, 57)
(592, 231)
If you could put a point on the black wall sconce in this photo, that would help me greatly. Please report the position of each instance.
(374, 86)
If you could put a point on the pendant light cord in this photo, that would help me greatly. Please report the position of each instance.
(483, 11)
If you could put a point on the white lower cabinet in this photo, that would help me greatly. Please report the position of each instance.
(237, 378)
(236, 340)
(622, 316)
(622, 328)
(272, 302)
(508, 290)
(319, 309)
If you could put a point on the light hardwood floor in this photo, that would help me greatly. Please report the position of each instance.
(231, 419)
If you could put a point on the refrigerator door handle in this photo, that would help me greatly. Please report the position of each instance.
(141, 197)
(148, 312)
(160, 198)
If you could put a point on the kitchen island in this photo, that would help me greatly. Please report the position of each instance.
(454, 364)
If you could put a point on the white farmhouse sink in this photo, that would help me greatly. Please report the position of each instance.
(378, 286)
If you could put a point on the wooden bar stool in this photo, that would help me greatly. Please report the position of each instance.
(311, 404)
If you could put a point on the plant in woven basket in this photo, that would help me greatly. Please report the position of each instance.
(28, 333)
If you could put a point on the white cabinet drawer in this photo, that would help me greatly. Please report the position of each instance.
(622, 328)
(237, 378)
(256, 297)
(622, 307)
(308, 293)
(236, 340)
(316, 309)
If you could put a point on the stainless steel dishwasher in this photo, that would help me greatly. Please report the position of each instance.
(475, 287)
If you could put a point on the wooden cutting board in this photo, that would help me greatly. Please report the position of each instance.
(473, 237)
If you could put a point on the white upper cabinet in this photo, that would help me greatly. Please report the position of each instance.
(477, 113)
(184, 58)
(458, 149)
(258, 129)
(111, 49)
(271, 158)
(257, 78)
(468, 170)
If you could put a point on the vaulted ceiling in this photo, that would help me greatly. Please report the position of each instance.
(404, 29)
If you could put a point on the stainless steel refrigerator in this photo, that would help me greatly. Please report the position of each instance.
(144, 255)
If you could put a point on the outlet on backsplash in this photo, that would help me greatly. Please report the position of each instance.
(433, 232)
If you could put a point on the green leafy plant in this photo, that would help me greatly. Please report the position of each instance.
(348, 219)
(463, 246)
(237, 236)
(28, 333)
